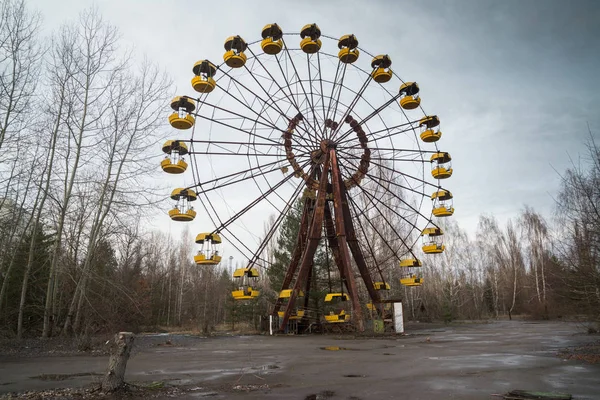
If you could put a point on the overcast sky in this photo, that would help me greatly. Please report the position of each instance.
(515, 82)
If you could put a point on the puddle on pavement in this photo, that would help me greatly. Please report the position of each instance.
(354, 376)
(337, 348)
(62, 377)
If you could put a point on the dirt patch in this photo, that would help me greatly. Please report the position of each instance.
(62, 377)
(589, 353)
(325, 394)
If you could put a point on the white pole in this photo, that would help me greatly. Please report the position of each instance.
(398, 318)
(271, 325)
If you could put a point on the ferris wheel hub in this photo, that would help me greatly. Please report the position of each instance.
(327, 144)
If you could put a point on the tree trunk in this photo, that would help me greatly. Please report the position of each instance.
(114, 378)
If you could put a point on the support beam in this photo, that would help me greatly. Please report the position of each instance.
(314, 237)
(302, 236)
(337, 183)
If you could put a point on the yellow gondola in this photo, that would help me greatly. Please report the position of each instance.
(410, 275)
(271, 43)
(430, 129)
(409, 96)
(348, 49)
(183, 211)
(310, 35)
(432, 240)
(209, 249)
(442, 203)
(410, 262)
(381, 68)
(245, 279)
(181, 118)
(174, 162)
(203, 81)
(234, 55)
(339, 315)
(441, 165)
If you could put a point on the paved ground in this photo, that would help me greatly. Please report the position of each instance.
(471, 361)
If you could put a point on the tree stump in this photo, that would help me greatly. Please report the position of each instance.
(114, 379)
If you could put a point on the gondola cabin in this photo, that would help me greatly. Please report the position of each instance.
(430, 129)
(348, 49)
(234, 55)
(245, 280)
(336, 308)
(410, 263)
(382, 72)
(310, 42)
(441, 165)
(182, 118)
(174, 163)
(409, 96)
(442, 203)
(271, 43)
(203, 80)
(432, 240)
(209, 249)
(183, 211)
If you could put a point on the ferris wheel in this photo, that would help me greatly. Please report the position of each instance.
(308, 119)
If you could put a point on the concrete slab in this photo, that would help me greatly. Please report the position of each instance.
(471, 361)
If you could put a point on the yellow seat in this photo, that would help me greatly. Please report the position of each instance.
(176, 215)
(201, 259)
(348, 56)
(443, 211)
(249, 272)
(334, 318)
(245, 294)
(410, 103)
(286, 294)
(234, 60)
(203, 85)
(293, 315)
(441, 173)
(181, 122)
(430, 136)
(433, 248)
(310, 46)
(381, 75)
(171, 168)
(411, 281)
(373, 307)
(270, 46)
(381, 285)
